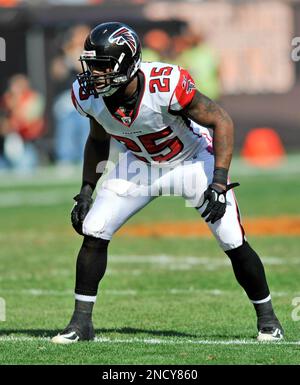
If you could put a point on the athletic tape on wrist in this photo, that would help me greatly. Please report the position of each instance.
(220, 175)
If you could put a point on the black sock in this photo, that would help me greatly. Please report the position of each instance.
(249, 271)
(82, 313)
(90, 268)
(264, 309)
(265, 315)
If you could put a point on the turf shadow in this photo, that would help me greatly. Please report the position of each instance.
(44, 333)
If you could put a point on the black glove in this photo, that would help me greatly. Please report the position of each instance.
(216, 197)
(80, 210)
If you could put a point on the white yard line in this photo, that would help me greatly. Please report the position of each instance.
(137, 265)
(29, 198)
(167, 262)
(193, 260)
(152, 341)
(42, 292)
(35, 292)
(43, 176)
(51, 175)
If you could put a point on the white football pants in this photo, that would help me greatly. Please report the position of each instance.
(132, 184)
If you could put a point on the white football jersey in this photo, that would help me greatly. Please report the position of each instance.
(154, 132)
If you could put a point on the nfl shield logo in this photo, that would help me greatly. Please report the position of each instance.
(126, 120)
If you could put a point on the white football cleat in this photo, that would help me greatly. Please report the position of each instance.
(270, 334)
(73, 334)
(67, 338)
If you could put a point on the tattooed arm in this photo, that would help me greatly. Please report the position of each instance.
(206, 112)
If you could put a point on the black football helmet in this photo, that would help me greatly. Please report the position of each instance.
(114, 50)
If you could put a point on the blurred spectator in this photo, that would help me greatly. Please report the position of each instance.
(22, 123)
(157, 46)
(64, 2)
(71, 129)
(194, 54)
(9, 3)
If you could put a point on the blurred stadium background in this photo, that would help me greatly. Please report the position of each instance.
(239, 53)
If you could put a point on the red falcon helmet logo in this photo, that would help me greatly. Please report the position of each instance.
(124, 36)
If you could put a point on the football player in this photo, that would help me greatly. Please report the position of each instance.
(155, 112)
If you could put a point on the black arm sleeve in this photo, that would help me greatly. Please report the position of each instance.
(95, 151)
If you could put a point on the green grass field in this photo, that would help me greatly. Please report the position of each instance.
(162, 300)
